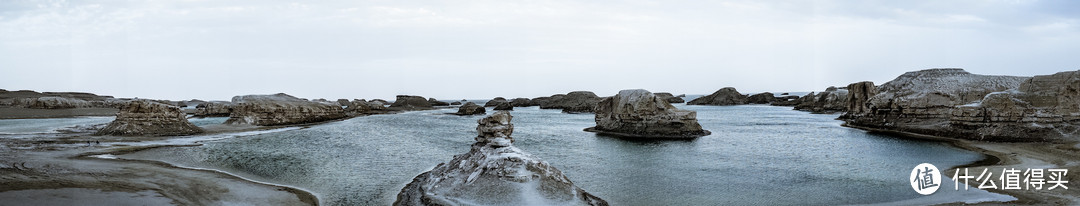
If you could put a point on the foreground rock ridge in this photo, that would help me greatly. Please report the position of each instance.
(641, 114)
(954, 103)
(147, 118)
(281, 109)
(494, 172)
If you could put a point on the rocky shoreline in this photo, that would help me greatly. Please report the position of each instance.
(1027, 122)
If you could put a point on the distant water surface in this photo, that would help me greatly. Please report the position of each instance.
(757, 155)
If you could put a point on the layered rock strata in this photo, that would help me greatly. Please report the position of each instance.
(640, 114)
(148, 118)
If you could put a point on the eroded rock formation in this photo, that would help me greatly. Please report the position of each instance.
(435, 102)
(470, 108)
(407, 102)
(494, 172)
(213, 109)
(669, 97)
(280, 109)
(504, 106)
(724, 96)
(640, 114)
(522, 102)
(761, 98)
(829, 101)
(148, 118)
(955, 103)
(495, 102)
(573, 102)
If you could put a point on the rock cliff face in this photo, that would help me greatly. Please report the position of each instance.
(829, 101)
(435, 102)
(470, 108)
(280, 109)
(933, 93)
(955, 103)
(213, 109)
(858, 99)
(494, 172)
(724, 96)
(669, 97)
(406, 102)
(147, 118)
(1044, 107)
(640, 114)
(573, 102)
(761, 98)
(495, 102)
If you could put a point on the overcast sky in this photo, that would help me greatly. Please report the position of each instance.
(480, 49)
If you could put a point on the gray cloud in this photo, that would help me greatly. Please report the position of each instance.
(481, 49)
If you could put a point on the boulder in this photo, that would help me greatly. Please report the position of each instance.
(640, 114)
(573, 102)
(669, 98)
(407, 102)
(724, 96)
(455, 103)
(494, 102)
(435, 102)
(148, 118)
(280, 109)
(504, 106)
(761, 98)
(213, 109)
(470, 108)
(494, 172)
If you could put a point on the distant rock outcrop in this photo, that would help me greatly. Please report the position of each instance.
(724, 96)
(147, 118)
(640, 114)
(761, 98)
(669, 97)
(494, 172)
(56, 100)
(495, 102)
(470, 108)
(504, 106)
(573, 102)
(829, 101)
(379, 101)
(958, 104)
(437, 103)
(407, 102)
(455, 103)
(280, 109)
(522, 102)
(213, 109)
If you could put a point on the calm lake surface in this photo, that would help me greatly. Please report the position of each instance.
(757, 155)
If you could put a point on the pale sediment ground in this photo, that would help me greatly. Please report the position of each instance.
(1022, 156)
(66, 170)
